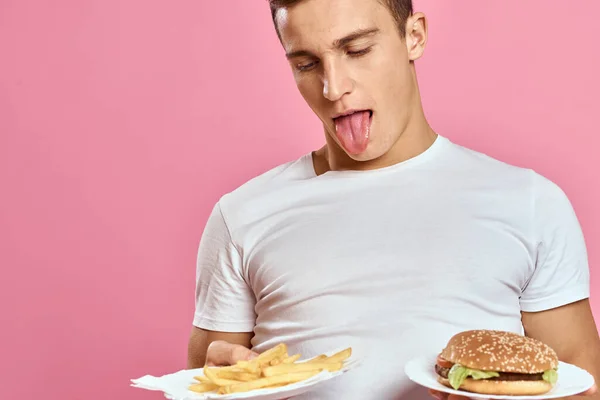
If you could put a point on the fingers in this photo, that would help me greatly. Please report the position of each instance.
(591, 391)
(445, 396)
(240, 353)
(222, 353)
(438, 395)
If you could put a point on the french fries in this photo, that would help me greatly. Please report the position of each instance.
(285, 379)
(340, 356)
(302, 367)
(203, 387)
(272, 368)
(291, 359)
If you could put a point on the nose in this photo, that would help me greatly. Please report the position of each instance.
(336, 82)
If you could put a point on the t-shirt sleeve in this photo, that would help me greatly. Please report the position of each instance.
(561, 274)
(224, 301)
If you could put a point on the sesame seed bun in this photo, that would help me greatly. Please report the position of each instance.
(499, 351)
(508, 388)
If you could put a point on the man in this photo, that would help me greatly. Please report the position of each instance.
(390, 238)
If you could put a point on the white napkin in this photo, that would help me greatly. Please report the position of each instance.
(174, 386)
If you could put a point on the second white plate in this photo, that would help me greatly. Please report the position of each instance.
(572, 380)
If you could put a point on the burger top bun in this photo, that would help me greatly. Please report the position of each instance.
(489, 350)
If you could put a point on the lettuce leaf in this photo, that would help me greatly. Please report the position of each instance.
(458, 374)
(551, 376)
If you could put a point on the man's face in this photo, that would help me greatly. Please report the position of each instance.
(353, 69)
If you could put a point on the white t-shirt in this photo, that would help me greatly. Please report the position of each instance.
(390, 261)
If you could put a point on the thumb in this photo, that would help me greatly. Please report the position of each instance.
(241, 353)
(221, 353)
(591, 391)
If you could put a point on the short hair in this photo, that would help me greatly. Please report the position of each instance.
(401, 10)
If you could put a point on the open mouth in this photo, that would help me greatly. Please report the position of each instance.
(352, 112)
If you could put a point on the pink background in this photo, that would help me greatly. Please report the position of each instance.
(122, 122)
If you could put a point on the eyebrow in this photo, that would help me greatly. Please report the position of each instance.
(338, 43)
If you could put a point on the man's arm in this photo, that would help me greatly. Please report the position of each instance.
(224, 302)
(200, 340)
(571, 331)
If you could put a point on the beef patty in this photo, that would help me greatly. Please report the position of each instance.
(504, 376)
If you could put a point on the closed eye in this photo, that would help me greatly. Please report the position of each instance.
(306, 66)
(358, 53)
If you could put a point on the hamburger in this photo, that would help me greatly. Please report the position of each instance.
(497, 363)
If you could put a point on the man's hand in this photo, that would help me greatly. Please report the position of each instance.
(227, 347)
(571, 331)
(221, 353)
(444, 396)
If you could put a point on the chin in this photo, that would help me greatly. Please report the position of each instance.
(365, 156)
(371, 153)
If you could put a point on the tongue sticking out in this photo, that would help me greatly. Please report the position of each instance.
(353, 131)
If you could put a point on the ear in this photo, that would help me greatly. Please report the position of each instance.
(416, 35)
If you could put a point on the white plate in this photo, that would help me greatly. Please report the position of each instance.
(175, 386)
(571, 381)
